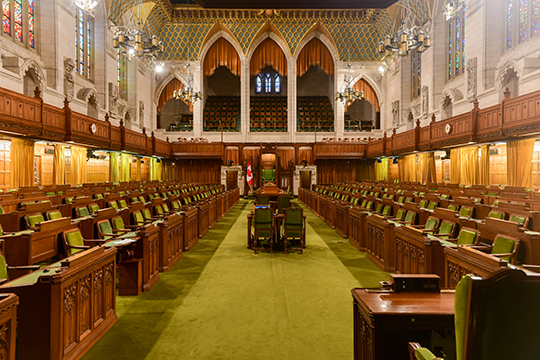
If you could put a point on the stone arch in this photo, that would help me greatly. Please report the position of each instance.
(374, 84)
(92, 108)
(174, 75)
(220, 34)
(33, 76)
(508, 77)
(446, 105)
(268, 34)
(327, 42)
(85, 93)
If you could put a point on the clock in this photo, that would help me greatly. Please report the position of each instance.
(448, 128)
(93, 128)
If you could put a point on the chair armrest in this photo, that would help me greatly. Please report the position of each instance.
(427, 230)
(503, 255)
(484, 248)
(26, 267)
(95, 240)
(78, 247)
(119, 230)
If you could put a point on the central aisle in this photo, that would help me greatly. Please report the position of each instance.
(221, 301)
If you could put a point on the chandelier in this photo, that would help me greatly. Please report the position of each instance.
(451, 8)
(408, 37)
(88, 6)
(136, 39)
(349, 94)
(189, 93)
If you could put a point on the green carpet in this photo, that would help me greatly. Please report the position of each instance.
(220, 301)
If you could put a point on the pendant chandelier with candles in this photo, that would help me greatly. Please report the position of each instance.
(136, 39)
(408, 37)
(349, 94)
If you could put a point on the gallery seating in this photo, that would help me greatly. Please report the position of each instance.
(221, 113)
(268, 114)
(315, 113)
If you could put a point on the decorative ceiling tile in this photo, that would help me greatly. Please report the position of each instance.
(293, 31)
(244, 31)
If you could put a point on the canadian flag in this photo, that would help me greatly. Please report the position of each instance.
(249, 176)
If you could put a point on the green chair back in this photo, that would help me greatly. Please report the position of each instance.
(518, 219)
(453, 207)
(467, 237)
(369, 205)
(410, 217)
(263, 200)
(503, 245)
(175, 205)
(364, 203)
(293, 224)
(262, 222)
(165, 207)
(118, 223)
(53, 215)
(461, 299)
(432, 205)
(146, 213)
(401, 199)
(33, 220)
(386, 210)
(122, 204)
(93, 208)
(422, 204)
(3, 267)
(444, 197)
(83, 211)
(496, 215)
(465, 212)
(113, 204)
(105, 228)
(355, 201)
(400, 214)
(141, 198)
(446, 228)
(74, 238)
(69, 200)
(139, 219)
(431, 223)
(99, 196)
(159, 209)
(379, 207)
(283, 203)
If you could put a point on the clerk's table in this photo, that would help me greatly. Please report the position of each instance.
(384, 322)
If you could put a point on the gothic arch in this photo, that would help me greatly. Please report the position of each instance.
(220, 34)
(367, 78)
(32, 64)
(85, 93)
(453, 94)
(159, 89)
(507, 67)
(327, 42)
(268, 34)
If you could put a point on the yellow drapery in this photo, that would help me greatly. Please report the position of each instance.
(484, 166)
(59, 164)
(407, 168)
(158, 170)
(369, 93)
(268, 53)
(124, 167)
(519, 156)
(314, 53)
(139, 169)
(427, 171)
(222, 53)
(464, 166)
(78, 165)
(381, 169)
(153, 169)
(22, 163)
(114, 168)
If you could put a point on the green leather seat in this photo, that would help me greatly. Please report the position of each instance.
(431, 223)
(75, 242)
(521, 220)
(467, 237)
(496, 215)
(262, 228)
(503, 245)
(465, 212)
(94, 208)
(283, 203)
(293, 230)
(83, 211)
(33, 220)
(105, 230)
(122, 204)
(387, 210)
(113, 204)
(53, 215)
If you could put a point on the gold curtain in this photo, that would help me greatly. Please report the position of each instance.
(153, 169)
(222, 53)
(369, 93)
(22, 163)
(427, 171)
(519, 156)
(124, 167)
(484, 166)
(381, 170)
(168, 93)
(78, 165)
(314, 53)
(59, 164)
(407, 168)
(139, 169)
(268, 53)
(158, 170)
(464, 166)
(114, 167)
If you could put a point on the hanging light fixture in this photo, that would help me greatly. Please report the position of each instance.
(88, 6)
(189, 93)
(409, 36)
(349, 95)
(451, 8)
(136, 39)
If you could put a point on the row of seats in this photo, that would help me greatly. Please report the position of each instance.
(315, 113)
(268, 114)
(184, 123)
(221, 113)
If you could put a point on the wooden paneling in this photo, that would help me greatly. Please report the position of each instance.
(337, 170)
(97, 170)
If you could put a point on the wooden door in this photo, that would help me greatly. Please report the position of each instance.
(232, 180)
(305, 179)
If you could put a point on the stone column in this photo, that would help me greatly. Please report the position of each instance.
(244, 97)
(198, 81)
(291, 99)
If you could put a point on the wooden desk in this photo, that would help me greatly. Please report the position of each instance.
(67, 307)
(171, 241)
(8, 323)
(385, 322)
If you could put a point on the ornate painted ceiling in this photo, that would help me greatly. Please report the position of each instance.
(186, 28)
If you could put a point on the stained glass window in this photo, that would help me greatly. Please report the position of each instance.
(509, 23)
(523, 19)
(6, 17)
(277, 84)
(17, 20)
(31, 40)
(456, 45)
(535, 18)
(122, 78)
(258, 84)
(83, 43)
(416, 74)
(268, 84)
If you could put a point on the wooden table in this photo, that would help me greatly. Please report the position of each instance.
(384, 322)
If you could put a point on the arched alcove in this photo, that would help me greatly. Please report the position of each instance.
(173, 114)
(446, 108)
(92, 109)
(364, 114)
(30, 81)
(509, 80)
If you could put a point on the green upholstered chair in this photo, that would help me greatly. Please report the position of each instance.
(158, 211)
(175, 205)
(400, 214)
(69, 200)
(520, 219)
(263, 229)
(122, 204)
(106, 231)
(453, 207)
(401, 199)
(504, 247)
(432, 205)
(445, 197)
(355, 201)
(148, 215)
(138, 218)
(82, 211)
(364, 203)
(466, 212)
(430, 226)
(283, 203)
(408, 199)
(113, 204)
(74, 241)
(446, 230)
(33, 219)
(410, 218)
(422, 204)
(141, 199)
(166, 209)
(118, 225)
(294, 230)
(98, 196)
(263, 200)
(495, 317)
(387, 210)
(94, 208)
(151, 197)
(5, 268)
(54, 214)
(466, 236)
(369, 205)
(122, 193)
(379, 208)
(496, 215)
(268, 175)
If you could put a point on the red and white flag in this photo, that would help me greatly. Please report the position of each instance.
(249, 176)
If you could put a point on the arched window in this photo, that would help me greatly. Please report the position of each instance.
(268, 83)
(84, 45)
(522, 21)
(277, 84)
(416, 74)
(18, 20)
(121, 68)
(258, 84)
(456, 44)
